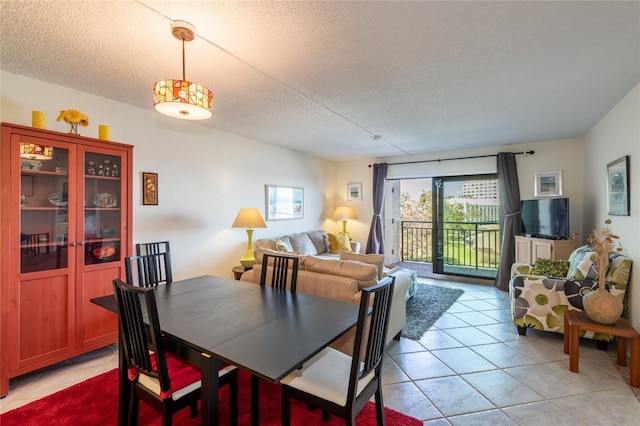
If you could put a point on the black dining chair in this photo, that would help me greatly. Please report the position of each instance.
(280, 267)
(153, 248)
(340, 384)
(160, 379)
(151, 269)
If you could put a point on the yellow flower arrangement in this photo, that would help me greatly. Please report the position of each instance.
(73, 116)
(603, 241)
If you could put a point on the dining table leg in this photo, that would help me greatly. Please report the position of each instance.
(210, 385)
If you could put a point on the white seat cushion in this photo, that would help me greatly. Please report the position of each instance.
(153, 384)
(326, 375)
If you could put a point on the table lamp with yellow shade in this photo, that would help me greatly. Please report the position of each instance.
(249, 218)
(344, 213)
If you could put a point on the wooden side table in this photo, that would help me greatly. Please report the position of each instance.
(238, 271)
(575, 321)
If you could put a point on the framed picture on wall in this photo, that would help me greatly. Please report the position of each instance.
(618, 187)
(149, 189)
(354, 191)
(548, 184)
(284, 202)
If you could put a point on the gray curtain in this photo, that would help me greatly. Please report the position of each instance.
(375, 242)
(508, 215)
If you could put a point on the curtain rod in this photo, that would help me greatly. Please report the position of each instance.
(457, 158)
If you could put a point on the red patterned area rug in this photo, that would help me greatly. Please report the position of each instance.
(95, 402)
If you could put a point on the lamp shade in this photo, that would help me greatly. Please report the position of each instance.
(183, 99)
(344, 213)
(249, 218)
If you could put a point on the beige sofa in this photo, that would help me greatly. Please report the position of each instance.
(309, 243)
(342, 280)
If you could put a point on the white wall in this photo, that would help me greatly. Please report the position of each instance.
(616, 135)
(204, 175)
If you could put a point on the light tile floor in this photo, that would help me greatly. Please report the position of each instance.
(470, 368)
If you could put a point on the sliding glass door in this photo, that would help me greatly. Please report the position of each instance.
(466, 235)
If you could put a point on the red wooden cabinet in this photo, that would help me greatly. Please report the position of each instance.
(66, 229)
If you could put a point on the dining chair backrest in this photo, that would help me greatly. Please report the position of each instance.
(320, 383)
(151, 269)
(152, 248)
(137, 343)
(376, 321)
(280, 267)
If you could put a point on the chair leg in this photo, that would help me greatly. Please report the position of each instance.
(255, 400)
(134, 403)
(351, 419)
(193, 410)
(286, 409)
(233, 399)
(602, 345)
(167, 419)
(379, 408)
(325, 416)
(522, 330)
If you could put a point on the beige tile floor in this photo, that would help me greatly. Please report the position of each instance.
(470, 368)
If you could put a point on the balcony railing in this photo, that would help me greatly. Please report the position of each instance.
(465, 244)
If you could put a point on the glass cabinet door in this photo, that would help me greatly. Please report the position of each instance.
(102, 213)
(44, 215)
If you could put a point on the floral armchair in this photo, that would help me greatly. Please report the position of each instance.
(539, 301)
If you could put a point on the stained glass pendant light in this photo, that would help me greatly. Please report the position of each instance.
(181, 98)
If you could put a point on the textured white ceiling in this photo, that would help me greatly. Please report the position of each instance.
(324, 77)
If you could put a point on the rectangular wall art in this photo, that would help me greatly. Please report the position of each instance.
(149, 189)
(284, 202)
(548, 184)
(354, 191)
(618, 186)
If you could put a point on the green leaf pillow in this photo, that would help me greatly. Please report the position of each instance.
(551, 268)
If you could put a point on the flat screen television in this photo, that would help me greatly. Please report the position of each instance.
(546, 218)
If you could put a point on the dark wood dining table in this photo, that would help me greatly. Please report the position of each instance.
(210, 321)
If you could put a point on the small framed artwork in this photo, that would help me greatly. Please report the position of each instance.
(618, 187)
(149, 189)
(548, 184)
(284, 202)
(354, 191)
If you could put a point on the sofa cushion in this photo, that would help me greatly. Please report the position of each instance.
(576, 290)
(339, 242)
(283, 244)
(582, 264)
(365, 273)
(551, 268)
(619, 270)
(268, 243)
(261, 251)
(372, 259)
(319, 240)
(302, 244)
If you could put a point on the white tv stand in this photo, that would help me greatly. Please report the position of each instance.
(529, 249)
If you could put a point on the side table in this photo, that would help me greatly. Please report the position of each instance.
(238, 271)
(575, 321)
